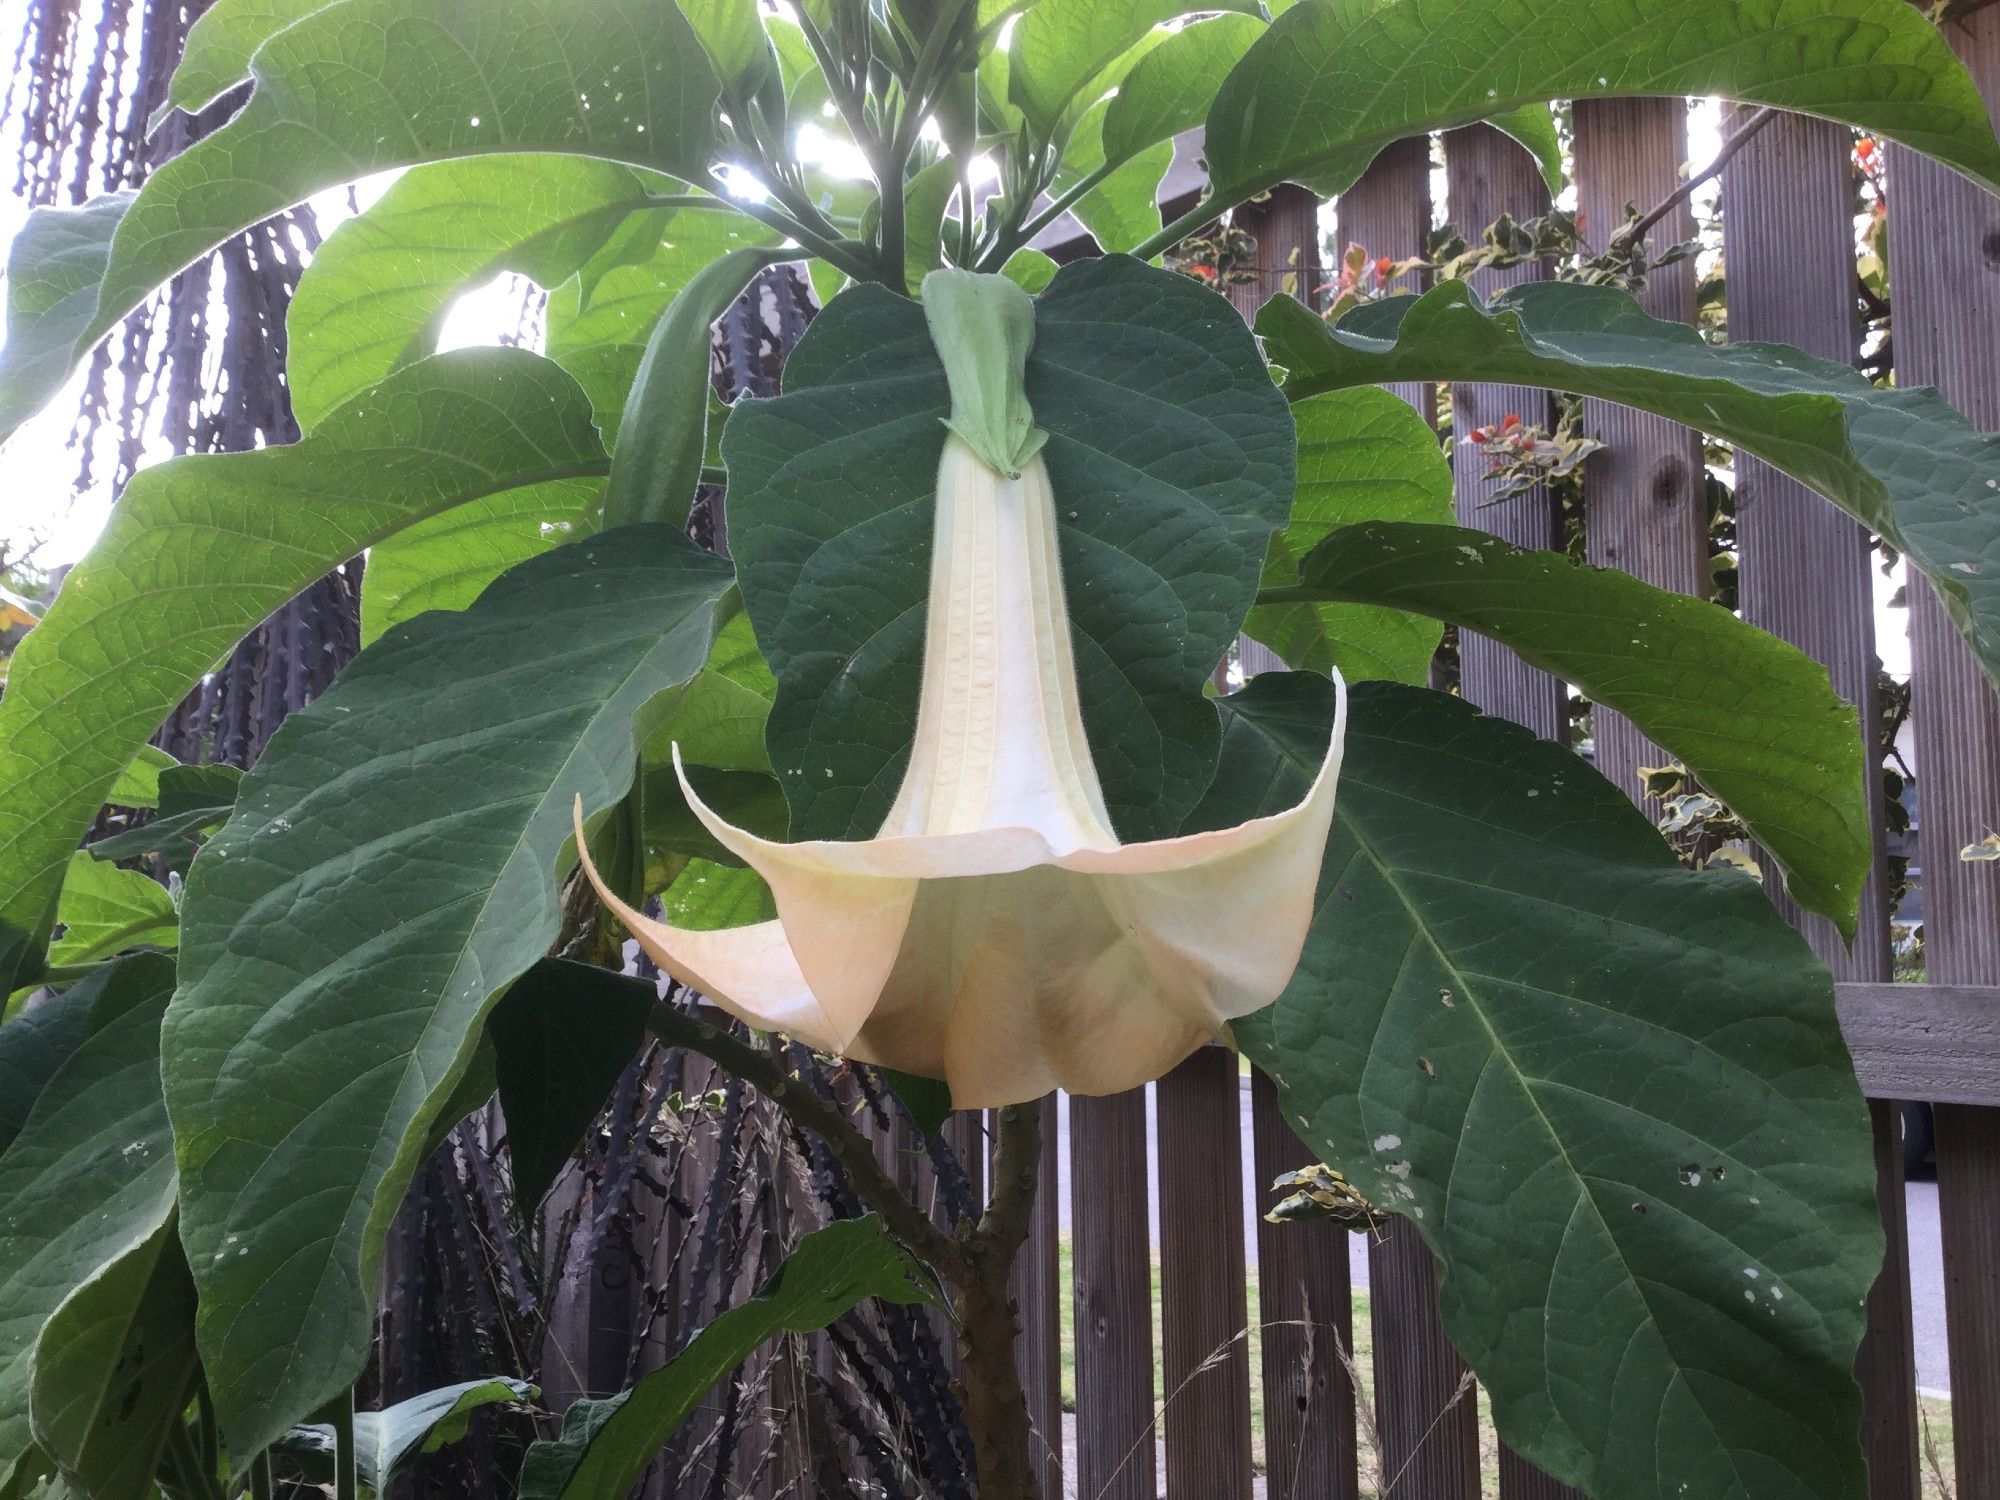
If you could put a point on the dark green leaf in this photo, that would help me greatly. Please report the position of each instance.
(1364, 455)
(1753, 717)
(53, 272)
(392, 861)
(88, 1181)
(656, 468)
(375, 293)
(747, 799)
(1333, 82)
(113, 1369)
(1608, 1090)
(606, 1445)
(1172, 464)
(362, 86)
(198, 551)
(562, 1034)
(928, 1100)
(37, 1042)
(1900, 461)
(1535, 128)
(706, 896)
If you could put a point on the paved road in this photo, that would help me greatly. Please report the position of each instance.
(1926, 1263)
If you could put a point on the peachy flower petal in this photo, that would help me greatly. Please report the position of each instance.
(995, 933)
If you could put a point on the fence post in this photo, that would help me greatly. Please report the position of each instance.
(1112, 1266)
(1804, 575)
(1946, 299)
(1203, 1306)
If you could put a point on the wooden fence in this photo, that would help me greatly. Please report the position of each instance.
(1805, 575)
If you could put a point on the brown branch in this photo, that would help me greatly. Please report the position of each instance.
(849, 1146)
(1634, 232)
(996, 1405)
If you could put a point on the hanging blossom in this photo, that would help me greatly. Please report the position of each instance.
(995, 933)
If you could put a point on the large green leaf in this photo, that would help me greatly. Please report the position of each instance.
(606, 1445)
(362, 86)
(193, 801)
(200, 550)
(105, 910)
(1123, 209)
(392, 862)
(598, 326)
(1172, 462)
(718, 719)
(1060, 46)
(37, 1042)
(1334, 81)
(372, 298)
(1170, 89)
(1900, 461)
(1608, 1090)
(53, 271)
(88, 1181)
(561, 1034)
(221, 43)
(1364, 455)
(113, 1369)
(1754, 717)
(447, 560)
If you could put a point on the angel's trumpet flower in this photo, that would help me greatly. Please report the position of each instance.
(995, 933)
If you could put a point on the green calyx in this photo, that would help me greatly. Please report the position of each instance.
(983, 327)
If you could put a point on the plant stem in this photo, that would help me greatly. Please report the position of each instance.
(1186, 225)
(1634, 232)
(833, 253)
(849, 1146)
(996, 1405)
(197, 1482)
(1058, 205)
(260, 1477)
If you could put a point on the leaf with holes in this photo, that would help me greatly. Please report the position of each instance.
(1332, 83)
(393, 861)
(1172, 459)
(1609, 1091)
(1901, 462)
(200, 550)
(1364, 455)
(1751, 715)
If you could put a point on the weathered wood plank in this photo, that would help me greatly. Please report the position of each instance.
(1487, 175)
(1306, 1307)
(1038, 1293)
(1946, 297)
(1203, 1311)
(1112, 1265)
(1645, 493)
(1939, 1042)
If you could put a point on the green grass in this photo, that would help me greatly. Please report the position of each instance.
(1935, 1414)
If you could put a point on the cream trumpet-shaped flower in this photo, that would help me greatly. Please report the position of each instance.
(995, 933)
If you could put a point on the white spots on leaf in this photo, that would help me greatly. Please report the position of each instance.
(1387, 1142)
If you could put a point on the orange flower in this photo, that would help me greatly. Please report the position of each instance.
(1864, 149)
(1383, 267)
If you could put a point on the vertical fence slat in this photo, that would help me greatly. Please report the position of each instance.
(1645, 492)
(1804, 575)
(1112, 1265)
(1206, 1366)
(1306, 1308)
(1487, 175)
(1946, 300)
(1038, 1294)
(1388, 212)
